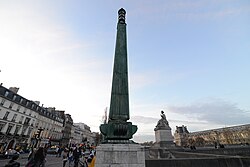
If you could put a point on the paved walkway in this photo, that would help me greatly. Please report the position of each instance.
(52, 161)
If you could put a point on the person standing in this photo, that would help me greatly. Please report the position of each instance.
(92, 163)
(70, 157)
(60, 151)
(39, 157)
(57, 151)
(65, 154)
(76, 154)
(31, 154)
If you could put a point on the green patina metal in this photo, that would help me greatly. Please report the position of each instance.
(118, 130)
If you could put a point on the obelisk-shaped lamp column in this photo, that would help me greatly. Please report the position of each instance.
(118, 130)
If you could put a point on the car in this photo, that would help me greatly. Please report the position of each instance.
(11, 153)
(52, 151)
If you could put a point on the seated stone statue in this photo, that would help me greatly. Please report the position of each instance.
(163, 121)
(163, 116)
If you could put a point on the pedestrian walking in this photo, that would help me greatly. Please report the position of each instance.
(60, 151)
(70, 157)
(83, 161)
(92, 163)
(65, 154)
(39, 157)
(57, 151)
(76, 154)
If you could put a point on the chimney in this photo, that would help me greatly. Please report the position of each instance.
(14, 89)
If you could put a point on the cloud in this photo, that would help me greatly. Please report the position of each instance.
(147, 124)
(141, 138)
(144, 120)
(50, 64)
(215, 111)
(152, 120)
(205, 114)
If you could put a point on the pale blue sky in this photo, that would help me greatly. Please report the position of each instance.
(189, 58)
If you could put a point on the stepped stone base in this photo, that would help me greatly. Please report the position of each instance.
(164, 138)
(164, 135)
(120, 155)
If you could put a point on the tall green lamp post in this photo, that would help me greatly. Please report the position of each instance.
(118, 129)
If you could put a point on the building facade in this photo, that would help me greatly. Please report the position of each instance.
(76, 136)
(222, 136)
(181, 136)
(81, 133)
(24, 123)
(58, 126)
(17, 119)
(88, 136)
(68, 123)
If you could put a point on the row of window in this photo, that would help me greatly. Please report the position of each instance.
(28, 104)
(10, 127)
(23, 106)
(26, 122)
(17, 129)
(17, 109)
(21, 101)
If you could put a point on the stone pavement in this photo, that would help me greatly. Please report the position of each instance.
(52, 161)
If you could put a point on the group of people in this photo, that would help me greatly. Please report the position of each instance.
(36, 158)
(75, 156)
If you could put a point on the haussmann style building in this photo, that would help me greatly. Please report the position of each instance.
(24, 123)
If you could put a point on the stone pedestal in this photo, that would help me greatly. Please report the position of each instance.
(163, 135)
(164, 138)
(120, 155)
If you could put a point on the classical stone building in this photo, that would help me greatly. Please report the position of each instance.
(81, 133)
(226, 136)
(181, 136)
(56, 131)
(68, 123)
(24, 123)
(76, 135)
(17, 119)
(86, 132)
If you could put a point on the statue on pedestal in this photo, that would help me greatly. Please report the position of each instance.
(162, 123)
